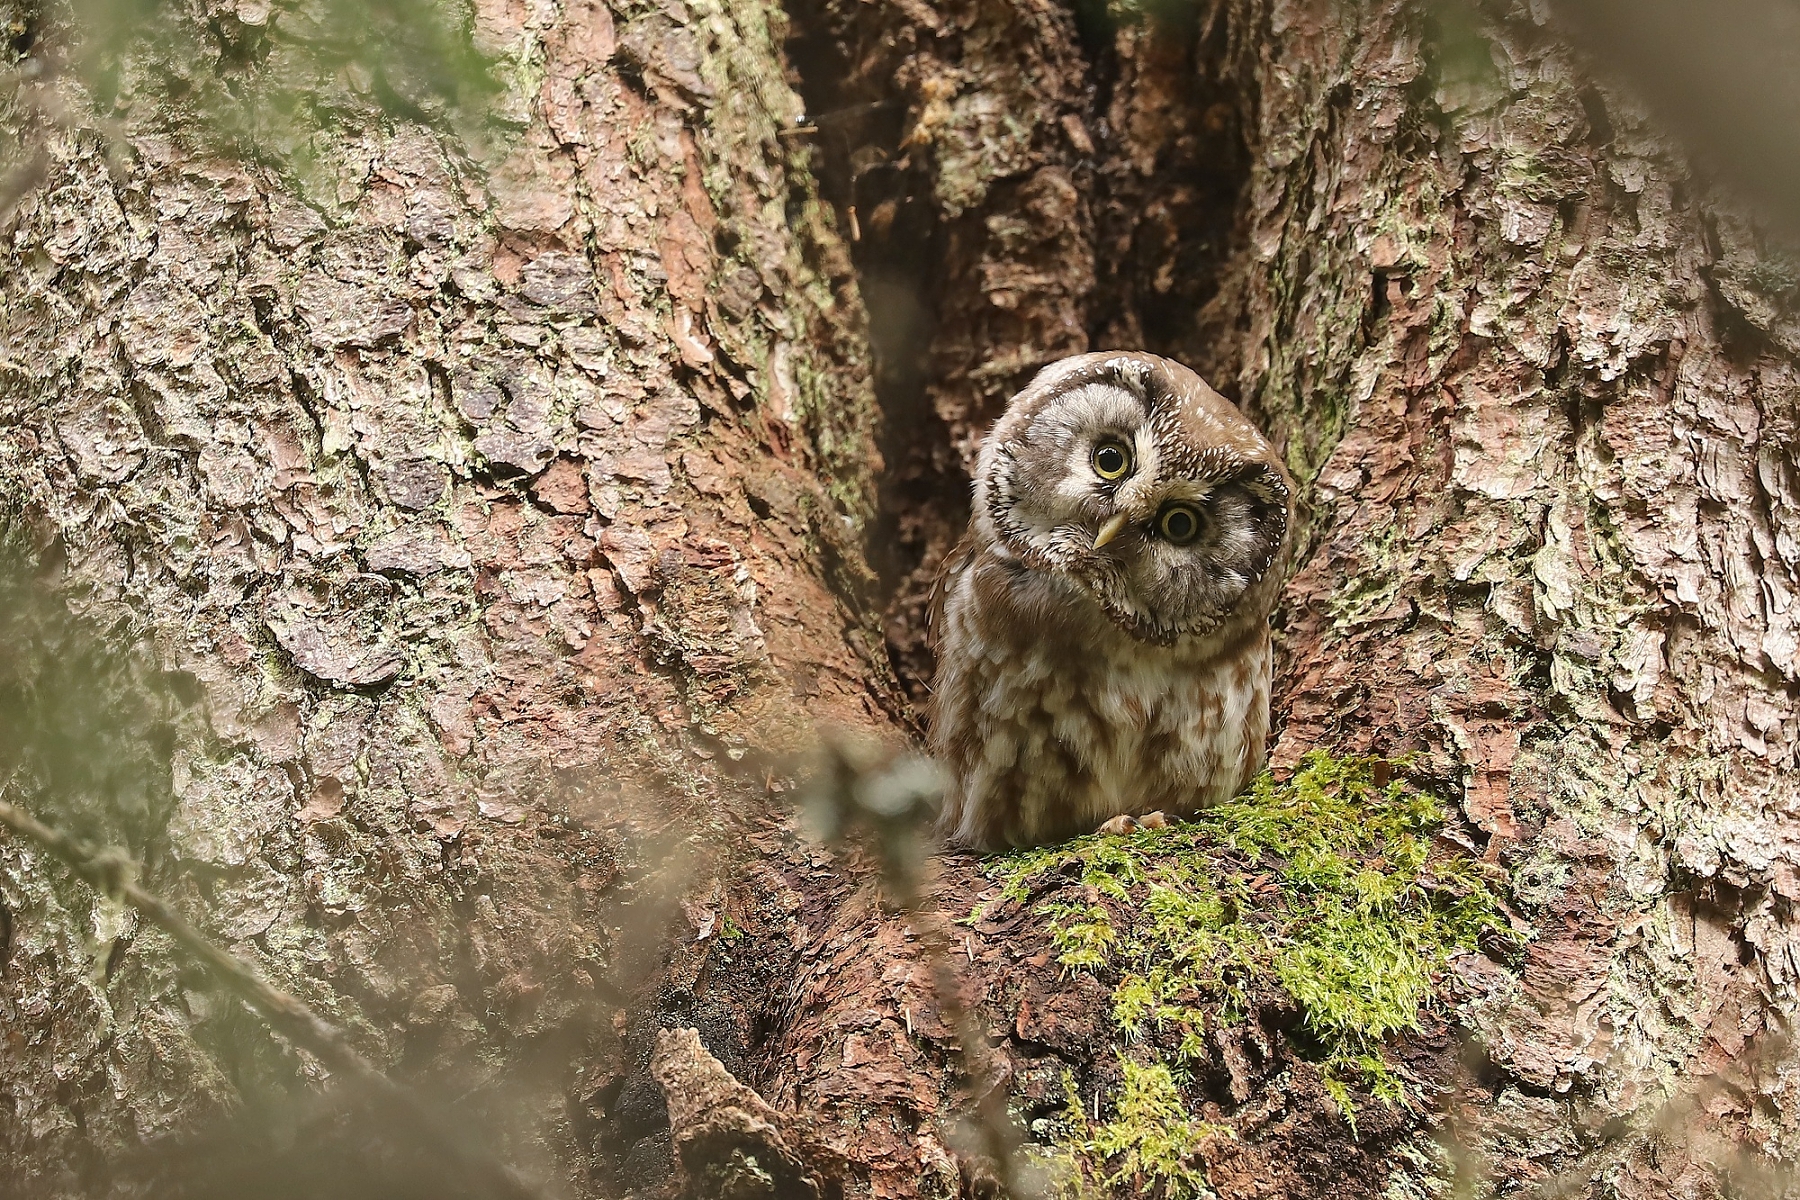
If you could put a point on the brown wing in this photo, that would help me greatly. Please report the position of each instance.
(954, 564)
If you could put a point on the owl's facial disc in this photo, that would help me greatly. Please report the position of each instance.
(1051, 483)
(1163, 512)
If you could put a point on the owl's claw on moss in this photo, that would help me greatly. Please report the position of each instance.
(1126, 823)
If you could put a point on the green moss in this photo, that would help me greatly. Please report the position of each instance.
(1153, 1139)
(1324, 886)
(1082, 933)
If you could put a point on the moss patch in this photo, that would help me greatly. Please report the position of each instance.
(1324, 892)
(1153, 1141)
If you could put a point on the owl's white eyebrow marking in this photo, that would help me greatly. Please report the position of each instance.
(1096, 405)
(1186, 489)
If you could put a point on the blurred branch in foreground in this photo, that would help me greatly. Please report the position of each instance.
(113, 874)
(887, 802)
(87, 720)
(1723, 74)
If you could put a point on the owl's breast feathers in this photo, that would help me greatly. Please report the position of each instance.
(1051, 719)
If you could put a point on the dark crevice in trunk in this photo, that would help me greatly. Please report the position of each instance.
(1173, 172)
(1109, 226)
(846, 61)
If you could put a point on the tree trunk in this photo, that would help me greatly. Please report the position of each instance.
(511, 526)
(1550, 399)
(491, 516)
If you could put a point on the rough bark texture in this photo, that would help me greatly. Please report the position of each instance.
(481, 511)
(1543, 382)
(1551, 403)
(495, 522)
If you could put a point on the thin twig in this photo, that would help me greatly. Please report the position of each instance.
(114, 874)
(894, 802)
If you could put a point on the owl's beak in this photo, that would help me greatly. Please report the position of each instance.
(1110, 530)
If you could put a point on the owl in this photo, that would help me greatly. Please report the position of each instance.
(1102, 628)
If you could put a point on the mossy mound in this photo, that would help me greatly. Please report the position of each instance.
(1327, 892)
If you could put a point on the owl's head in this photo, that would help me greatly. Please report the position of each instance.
(1131, 479)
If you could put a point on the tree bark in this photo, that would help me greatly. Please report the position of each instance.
(1551, 413)
(1541, 384)
(515, 525)
(492, 514)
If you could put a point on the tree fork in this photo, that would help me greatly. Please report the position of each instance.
(495, 513)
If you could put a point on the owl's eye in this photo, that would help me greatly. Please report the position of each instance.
(1178, 522)
(1112, 459)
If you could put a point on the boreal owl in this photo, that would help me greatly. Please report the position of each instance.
(1102, 628)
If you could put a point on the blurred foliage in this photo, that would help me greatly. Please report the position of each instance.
(1325, 888)
(261, 79)
(1722, 75)
(304, 1145)
(87, 722)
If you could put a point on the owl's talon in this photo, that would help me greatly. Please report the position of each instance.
(1126, 823)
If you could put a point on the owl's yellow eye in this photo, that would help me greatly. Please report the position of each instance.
(1112, 459)
(1178, 522)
